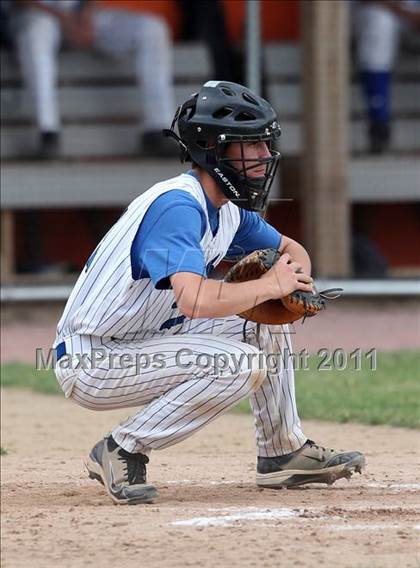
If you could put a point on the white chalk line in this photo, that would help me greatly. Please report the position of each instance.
(251, 514)
(232, 516)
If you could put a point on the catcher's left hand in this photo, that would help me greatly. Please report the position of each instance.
(292, 307)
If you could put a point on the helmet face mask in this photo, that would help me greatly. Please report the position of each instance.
(221, 114)
(254, 189)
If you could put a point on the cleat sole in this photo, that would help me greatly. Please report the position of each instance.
(294, 478)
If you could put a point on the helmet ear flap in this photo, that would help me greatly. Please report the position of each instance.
(181, 111)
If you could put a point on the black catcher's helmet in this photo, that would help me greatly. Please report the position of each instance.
(222, 113)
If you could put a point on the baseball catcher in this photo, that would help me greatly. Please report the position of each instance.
(148, 293)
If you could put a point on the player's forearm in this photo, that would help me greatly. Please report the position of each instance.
(298, 254)
(216, 298)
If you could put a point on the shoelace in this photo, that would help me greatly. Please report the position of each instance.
(312, 444)
(135, 466)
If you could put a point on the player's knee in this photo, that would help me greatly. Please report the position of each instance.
(42, 30)
(259, 375)
(91, 398)
(256, 370)
(154, 33)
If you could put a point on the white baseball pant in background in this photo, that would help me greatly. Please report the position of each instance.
(116, 33)
(377, 32)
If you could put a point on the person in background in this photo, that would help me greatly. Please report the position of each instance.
(205, 20)
(5, 35)
(41, 26)
(378, 24)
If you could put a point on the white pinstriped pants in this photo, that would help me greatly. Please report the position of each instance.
(181, 396)
(116, 33)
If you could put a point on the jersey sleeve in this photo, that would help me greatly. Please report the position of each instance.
(254, 233)
(168, 239)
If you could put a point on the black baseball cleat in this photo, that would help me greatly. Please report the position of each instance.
(49, 146)
(123, 474)
(379, 137)
(310, 464)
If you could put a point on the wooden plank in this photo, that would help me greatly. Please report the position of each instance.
(61, 185)
(88, 141)
(114, 140)
(388, 179)
(405, 136)
(282, 59)
(90, 103)
(103, 184)
(77, 141)
(85, 102)
(326, 211)
(191, 60)
(285, 59)
(287, 98)
(7, 261)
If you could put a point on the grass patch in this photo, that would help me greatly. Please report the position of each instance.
(3, 451)
(25, 376)
(390, 395)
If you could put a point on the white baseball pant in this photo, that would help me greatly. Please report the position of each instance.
(377, 32)
(181, 397)
(116, 33)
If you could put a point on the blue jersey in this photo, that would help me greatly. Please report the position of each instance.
(123, 291)
(177, 222)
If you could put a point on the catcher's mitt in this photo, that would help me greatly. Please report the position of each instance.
(293, 307)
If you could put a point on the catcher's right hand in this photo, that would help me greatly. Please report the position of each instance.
(286, 275)
(293, 291)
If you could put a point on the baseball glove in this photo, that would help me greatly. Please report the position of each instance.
(291, 308)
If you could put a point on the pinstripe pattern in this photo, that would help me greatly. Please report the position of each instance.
(278, 427)
(109, 310)
(181, 401)
(106, 301)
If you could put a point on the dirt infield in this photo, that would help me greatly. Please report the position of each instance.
(209, 513)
